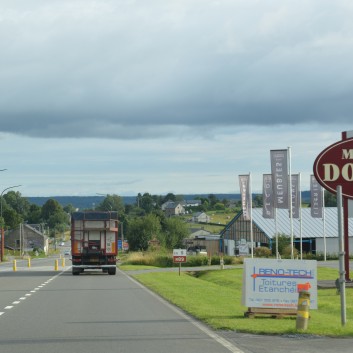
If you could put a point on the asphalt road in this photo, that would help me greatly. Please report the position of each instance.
(48, 311)
(42, 310)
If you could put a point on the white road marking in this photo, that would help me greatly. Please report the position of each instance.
(32, 291)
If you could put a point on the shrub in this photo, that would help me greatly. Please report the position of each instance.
(166, 260)
(287, 252)
(196, 260)
(262, 251)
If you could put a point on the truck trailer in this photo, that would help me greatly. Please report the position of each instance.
(94, 241)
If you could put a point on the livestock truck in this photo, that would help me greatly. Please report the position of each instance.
(94, 241)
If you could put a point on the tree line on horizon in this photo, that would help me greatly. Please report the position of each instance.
(142, 221)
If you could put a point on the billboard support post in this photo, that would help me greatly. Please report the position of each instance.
(342, 272)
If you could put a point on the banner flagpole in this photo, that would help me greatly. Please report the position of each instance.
(281, 190)
(245, 191)
(250, 211)
(290, 202)
(276, 234)
(300, 218)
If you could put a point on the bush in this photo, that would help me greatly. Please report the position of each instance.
(166, 260)
(196, 260)
(149, 259)
(262, 251)
(287, 252)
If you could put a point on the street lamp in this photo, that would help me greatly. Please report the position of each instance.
(2, 223)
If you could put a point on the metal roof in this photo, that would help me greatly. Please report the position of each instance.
(311, 227)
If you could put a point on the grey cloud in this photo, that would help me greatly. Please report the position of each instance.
(142, 70)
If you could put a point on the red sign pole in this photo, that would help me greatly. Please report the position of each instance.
(346, 228)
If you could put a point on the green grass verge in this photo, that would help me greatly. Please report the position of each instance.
(215, 298)
(136, 267)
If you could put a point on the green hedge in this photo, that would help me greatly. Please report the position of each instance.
(165, 260)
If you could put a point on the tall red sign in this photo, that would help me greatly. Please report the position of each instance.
(334, 166)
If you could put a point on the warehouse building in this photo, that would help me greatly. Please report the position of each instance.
(313, 232)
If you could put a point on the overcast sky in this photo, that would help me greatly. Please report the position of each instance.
(182, 96)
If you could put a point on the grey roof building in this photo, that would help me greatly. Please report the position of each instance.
(313, 231)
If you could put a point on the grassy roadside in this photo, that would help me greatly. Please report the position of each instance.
(215, 298)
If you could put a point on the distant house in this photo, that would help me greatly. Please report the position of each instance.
(200, 217)
(191, 203)
(173, 209)
(167, 204)
(26, 237)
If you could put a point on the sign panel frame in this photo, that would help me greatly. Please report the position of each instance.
(271, 283)
(179, 256)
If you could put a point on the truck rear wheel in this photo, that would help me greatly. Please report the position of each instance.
(112, 271)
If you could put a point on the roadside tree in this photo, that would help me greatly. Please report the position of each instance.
(112, 203)
(141, 230)
(173, 233)
(11, 218)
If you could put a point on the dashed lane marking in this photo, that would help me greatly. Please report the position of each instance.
(35, 290)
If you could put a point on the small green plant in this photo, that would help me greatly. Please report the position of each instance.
(262, 251)
(166, 260)
(287, 252)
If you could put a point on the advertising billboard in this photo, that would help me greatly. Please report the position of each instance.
(271, 283)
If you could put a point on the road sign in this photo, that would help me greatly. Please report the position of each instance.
(179, 255)
(334, 166)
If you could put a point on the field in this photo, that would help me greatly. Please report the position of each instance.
(215, 298)
(218, 220)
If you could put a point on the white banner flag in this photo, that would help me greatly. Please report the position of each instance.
(295, 195)
(315, 198)
(267, 197)
(244, 183)
(279, 170)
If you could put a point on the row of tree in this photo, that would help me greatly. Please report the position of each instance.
(143, 223)
(16, 209)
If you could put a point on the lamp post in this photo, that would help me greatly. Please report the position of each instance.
(2, 223)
